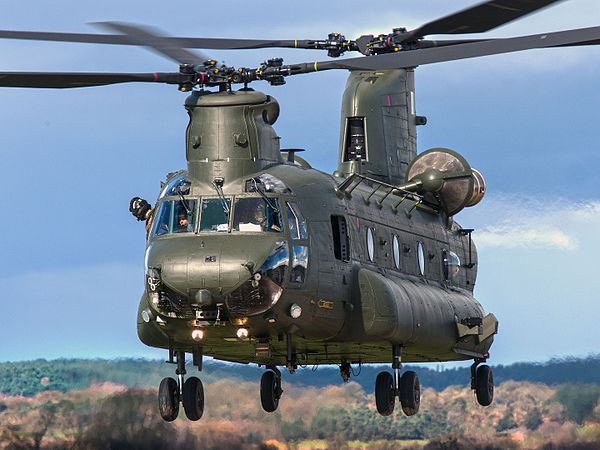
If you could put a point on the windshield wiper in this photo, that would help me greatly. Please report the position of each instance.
(183, 201)
(264, 196)
(218, 185)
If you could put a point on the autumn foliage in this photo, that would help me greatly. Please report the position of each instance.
(109, 416)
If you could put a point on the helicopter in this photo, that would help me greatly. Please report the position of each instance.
(254, 256)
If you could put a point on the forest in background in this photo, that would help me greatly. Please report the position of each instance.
(108, 416)
(101, 404)
(23, 377)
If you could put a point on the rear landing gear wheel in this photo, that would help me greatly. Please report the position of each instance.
(385, 397)
(484, 385)
(270, 390)
(410, 393)
(193, 398)
(168, 399)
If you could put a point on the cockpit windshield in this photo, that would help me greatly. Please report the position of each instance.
(175, 216)
(215, 214)
(257, 215)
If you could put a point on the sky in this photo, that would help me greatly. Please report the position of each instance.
(71, 265)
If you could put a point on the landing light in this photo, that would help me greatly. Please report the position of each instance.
(197, 334)
(242, 333)
(295, 311)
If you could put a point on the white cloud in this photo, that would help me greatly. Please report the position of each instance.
(535, 223)
(514, 236)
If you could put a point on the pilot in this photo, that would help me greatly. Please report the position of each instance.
(261, 219)
(183, 223)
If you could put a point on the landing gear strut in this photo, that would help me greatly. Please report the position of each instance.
(388, 387)
(172, 392)
(482, 382)
(270, 389)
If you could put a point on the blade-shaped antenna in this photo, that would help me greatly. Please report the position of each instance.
(480, 18)
(155, 40)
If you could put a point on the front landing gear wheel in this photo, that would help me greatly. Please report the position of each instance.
(193, 398)
(270, 390)
(410, 393)
(385, 397)
(168, 399)
(484, 385)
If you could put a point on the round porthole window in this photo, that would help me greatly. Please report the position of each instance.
(421, 258)
(396, 251)
(370, 244)
(451, 266)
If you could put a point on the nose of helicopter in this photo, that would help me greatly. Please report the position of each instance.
(218, 264)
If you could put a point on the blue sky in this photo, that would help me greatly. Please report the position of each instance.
(71, 267)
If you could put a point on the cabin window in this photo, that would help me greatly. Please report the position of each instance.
(341, 239)
(370, 244)
(396, 251)
(215, 215)
(451, 265)
(175, 216)
(421, 258)
(257, 215)
(299, 263)
(296, 222)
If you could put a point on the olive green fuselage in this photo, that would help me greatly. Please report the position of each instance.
(373, 271)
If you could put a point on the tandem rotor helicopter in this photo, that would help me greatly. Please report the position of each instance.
(253, 256)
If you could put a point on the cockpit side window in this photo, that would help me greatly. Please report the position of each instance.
(296, 222)
(215, 215)
(175, 216)
(257, 215)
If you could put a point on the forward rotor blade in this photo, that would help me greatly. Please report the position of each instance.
(62, 80)
(413, 58)
(147, 37)
(67, 37)
(482, 17)
(178, 42)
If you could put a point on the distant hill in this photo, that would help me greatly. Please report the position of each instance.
(29, 378)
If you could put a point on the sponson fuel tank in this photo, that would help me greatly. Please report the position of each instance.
(400, 310)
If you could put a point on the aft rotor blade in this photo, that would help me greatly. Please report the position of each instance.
(482, 17)
(147, 37)
(63, 80)
(413, 58)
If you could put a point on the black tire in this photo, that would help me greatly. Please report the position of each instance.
(484, 385)
(385, 397)
(193, 398)
(410, 393)
(168, 399)
(270, 391)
